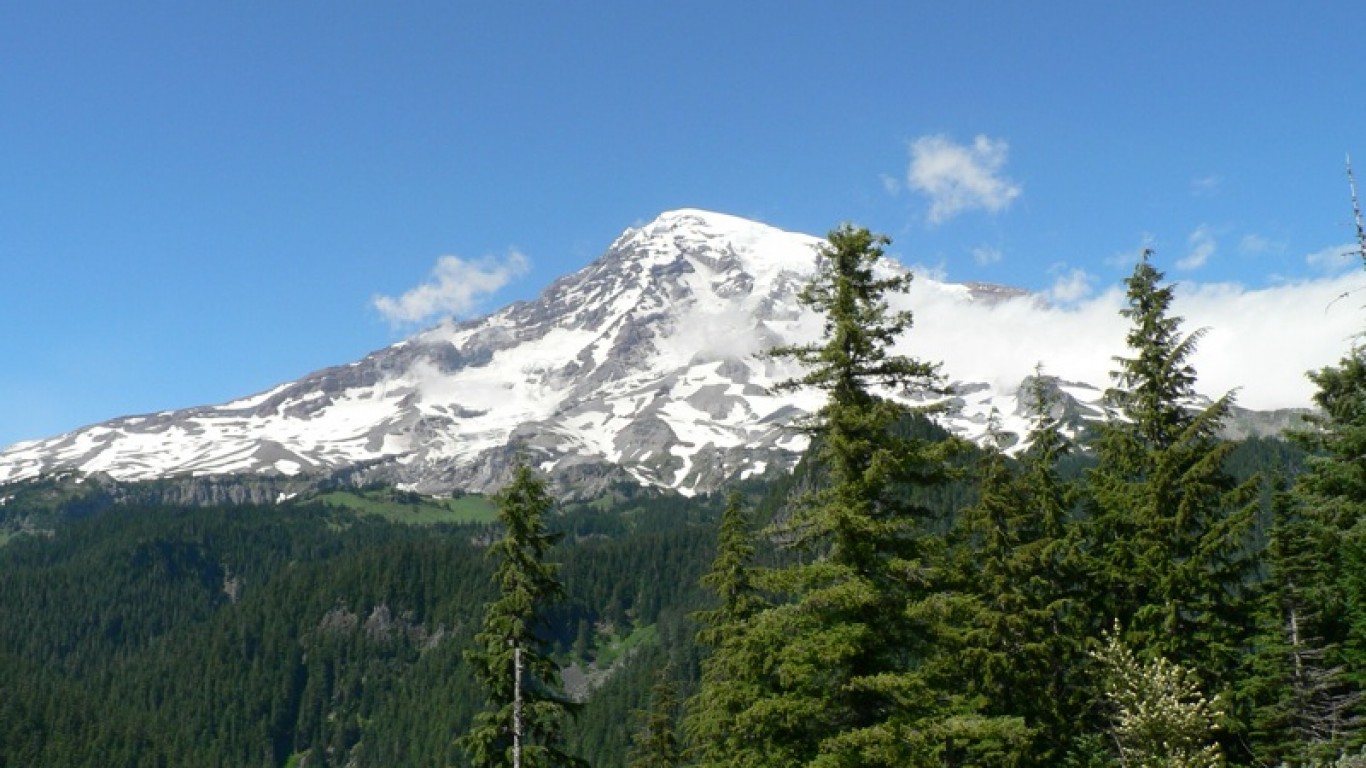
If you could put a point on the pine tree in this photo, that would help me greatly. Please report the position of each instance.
(1019, 645)
(511, 648)
(733, 672)
(655, 743)
(1308, 675)
(846, 641)
(1056, 563)
(1171, 529)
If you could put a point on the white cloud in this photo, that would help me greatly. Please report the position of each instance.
(1069, 285)
(891, 184)
(1205, 185)
(1202, 247)
(1259, 341)
(1255, 244)
(959, 177)
(1334, 259)
(1263, 341)
(939, 272)
(985, 255)
(455, 288)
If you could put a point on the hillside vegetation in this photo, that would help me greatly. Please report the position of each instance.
(1148, 594)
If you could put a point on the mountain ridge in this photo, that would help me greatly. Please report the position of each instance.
(646, 365)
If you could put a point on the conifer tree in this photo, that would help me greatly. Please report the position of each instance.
(1171, 528)
(1018, 642)
(1309, 667)
(1056, 563)
(732, 575)
(1308, 675)
(846, 641)
(994, 617)
(655, 743)
(733, 672)
(511, 658)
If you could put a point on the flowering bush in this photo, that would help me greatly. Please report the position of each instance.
(1160, 717)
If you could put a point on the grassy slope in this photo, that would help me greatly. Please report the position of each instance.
(412, 509)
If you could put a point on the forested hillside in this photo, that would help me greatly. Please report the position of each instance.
(252, 636)
(258, 636)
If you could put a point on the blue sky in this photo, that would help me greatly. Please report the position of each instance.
(201, 200)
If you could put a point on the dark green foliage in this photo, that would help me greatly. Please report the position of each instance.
(1018, 620)
(251, 635)
(655, 743)
(511, 660)
(1307, 677)
(1170, 524)
(1172, 530)
(733, 675)
(225, 636)
(840, 676)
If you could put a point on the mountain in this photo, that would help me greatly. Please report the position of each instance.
(646, 365)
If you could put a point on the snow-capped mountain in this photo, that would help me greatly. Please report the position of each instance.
(647, 364)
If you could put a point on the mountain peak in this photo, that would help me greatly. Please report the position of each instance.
(760, 250)
(697, 219)
(645, 365)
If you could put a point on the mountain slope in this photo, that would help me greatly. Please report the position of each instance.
(647, 365)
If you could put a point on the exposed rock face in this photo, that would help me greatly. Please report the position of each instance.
(645, 365)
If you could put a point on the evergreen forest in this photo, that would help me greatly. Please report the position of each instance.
(1144, 592)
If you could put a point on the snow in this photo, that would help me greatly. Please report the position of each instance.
(255, 400)
(698, 295)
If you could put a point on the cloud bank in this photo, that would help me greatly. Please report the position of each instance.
(455, 288)
(1260, 342)
(958, 177)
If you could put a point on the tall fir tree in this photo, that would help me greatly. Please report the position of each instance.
(1055, 562)
(1309, 668)
(853, 623)
(733, 671)
(655, 743)
(1171, 529)
(511, 648)
(1018, 625)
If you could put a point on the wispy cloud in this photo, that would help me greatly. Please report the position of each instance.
(1334, 259)
(1070, 285)
(455, 288)
(961, 177)
(938, 271)
(1125, 260)
(1205, 185)
(986, 255)
(1255, 245)
(1202, 246)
